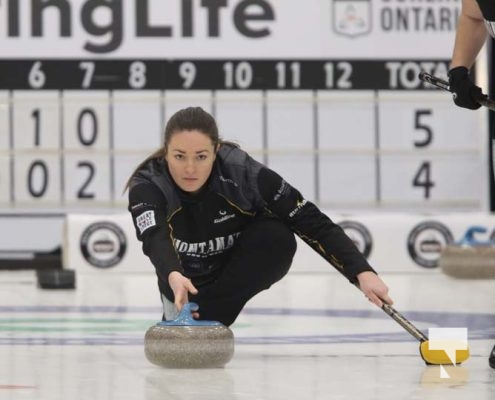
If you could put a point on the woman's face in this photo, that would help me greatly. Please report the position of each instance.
(190, 156)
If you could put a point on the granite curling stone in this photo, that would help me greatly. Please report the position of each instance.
(188, 343)
(469, 258)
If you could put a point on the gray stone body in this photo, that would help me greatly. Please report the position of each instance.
(189, 346)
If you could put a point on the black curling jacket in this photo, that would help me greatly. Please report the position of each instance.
(487, 8)
(193, 234)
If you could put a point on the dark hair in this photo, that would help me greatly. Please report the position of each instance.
(187, 119)
(191, 119)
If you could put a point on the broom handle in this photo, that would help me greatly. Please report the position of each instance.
(404, 322)
(401, 320)
(392, 312)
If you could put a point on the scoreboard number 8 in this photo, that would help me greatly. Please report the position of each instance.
(137, 75)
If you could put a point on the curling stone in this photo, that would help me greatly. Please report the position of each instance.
(56, 278)
(188, 343)
(469, 258)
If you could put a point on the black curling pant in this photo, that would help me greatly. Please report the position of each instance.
(262, 256)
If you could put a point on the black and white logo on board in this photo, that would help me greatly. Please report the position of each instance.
(426, 241)
(352, 17)
(360, 236)
(103, 244)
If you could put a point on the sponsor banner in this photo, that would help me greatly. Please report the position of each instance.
(391, 242)
(237, 28)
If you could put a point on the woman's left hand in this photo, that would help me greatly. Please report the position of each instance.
(374, 289)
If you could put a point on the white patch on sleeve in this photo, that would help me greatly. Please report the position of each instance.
(145, 220)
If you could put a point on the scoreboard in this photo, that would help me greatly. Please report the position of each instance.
(326, 93)
(359, 133)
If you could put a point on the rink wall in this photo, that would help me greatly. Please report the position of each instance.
(392, 242)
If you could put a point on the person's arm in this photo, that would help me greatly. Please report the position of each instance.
(321, 233)
(470, 36)
(148, 209)
(148, 206)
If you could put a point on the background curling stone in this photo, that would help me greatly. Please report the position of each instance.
(189, 343)
(469, 258)
(56, 278)
(491, 358)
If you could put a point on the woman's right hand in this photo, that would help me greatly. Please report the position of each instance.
(181, 286)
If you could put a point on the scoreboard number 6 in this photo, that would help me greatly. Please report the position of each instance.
(36, 77)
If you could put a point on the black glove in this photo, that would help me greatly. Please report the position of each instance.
(464, 91)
